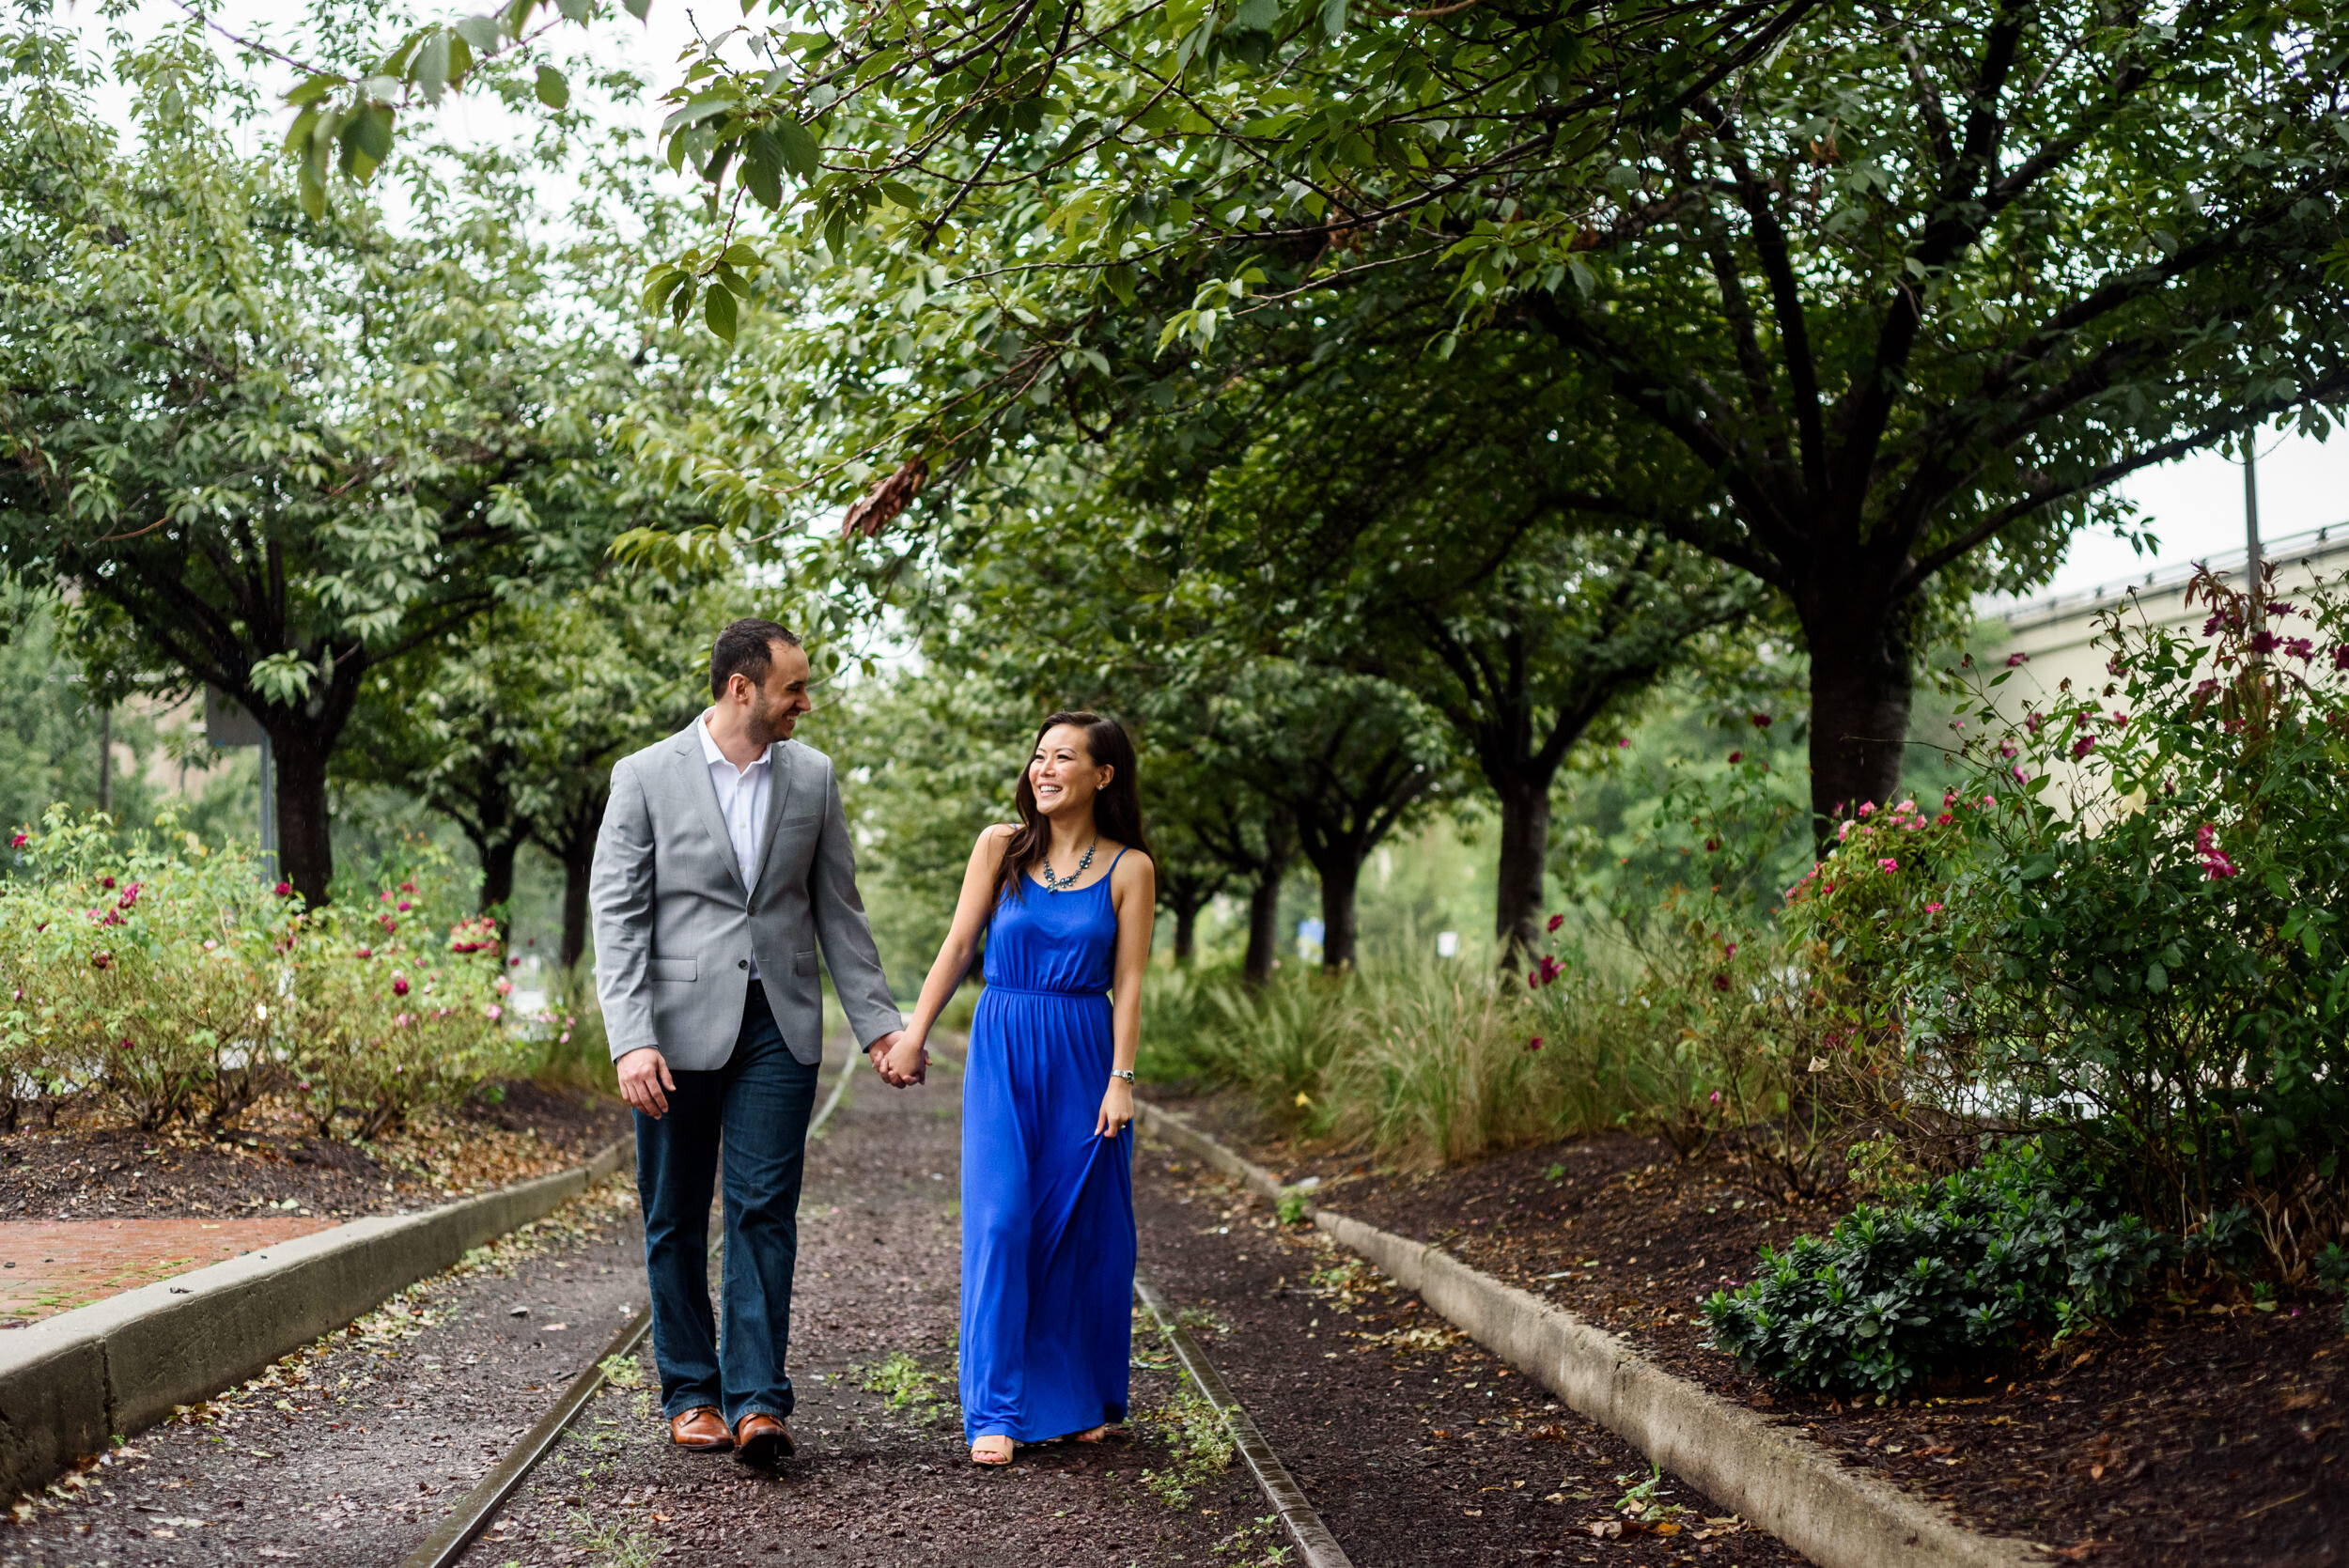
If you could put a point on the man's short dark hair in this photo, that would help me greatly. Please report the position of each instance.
(746, 648)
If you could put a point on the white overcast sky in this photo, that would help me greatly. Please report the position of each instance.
(2194, 506)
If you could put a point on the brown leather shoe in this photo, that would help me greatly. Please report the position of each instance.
(701, 1429)
(761, 1439)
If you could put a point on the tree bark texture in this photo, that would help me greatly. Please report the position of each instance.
(1264, 923)
(305, 846)
(574, 844)
(1523, 866)
(497, 869)
(1860, 690)
(1341, 878)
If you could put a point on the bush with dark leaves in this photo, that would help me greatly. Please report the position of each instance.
(1977, 1261)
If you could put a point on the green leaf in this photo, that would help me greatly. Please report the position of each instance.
(903, 194)
(718, 311)
(800, 153)
(481, 32)
(2039, 868)
(430, 71)
(665, 281)
(552, 90)
(1333, 16)
(311, 90)
(1257, 16)
(701, 107)
(637, 8)
(762, 168)
(742, 255)
(2156, 978)
(573, 10)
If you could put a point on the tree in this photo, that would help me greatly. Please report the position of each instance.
(264, 453)
(1346, 759)
(1899, 291)
(1418, 518)
(1190, 873)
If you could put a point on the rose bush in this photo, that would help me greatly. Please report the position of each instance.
(2124, 935)
(169, 978)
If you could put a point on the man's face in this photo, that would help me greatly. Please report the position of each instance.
(777, 703)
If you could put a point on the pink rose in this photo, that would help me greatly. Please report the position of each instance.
(400, 985)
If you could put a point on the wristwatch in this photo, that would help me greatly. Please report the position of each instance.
(1125, 1073)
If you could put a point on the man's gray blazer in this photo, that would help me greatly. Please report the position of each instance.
(676, 931)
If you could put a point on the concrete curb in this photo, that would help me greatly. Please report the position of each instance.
(1772, 1477)
(70, 1382)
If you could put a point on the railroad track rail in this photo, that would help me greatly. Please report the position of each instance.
(458, 1531)
(1316, 1547)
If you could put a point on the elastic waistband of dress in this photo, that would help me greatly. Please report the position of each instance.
(1029, 991)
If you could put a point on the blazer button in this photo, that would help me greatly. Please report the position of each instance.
(742, 962)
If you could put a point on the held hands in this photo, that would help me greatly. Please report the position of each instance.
(644, 1074)
(1117, 1110)
(900, 1058)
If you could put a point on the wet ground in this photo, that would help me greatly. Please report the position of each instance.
(1418, 1448)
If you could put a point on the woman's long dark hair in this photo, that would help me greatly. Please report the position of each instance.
(1116, 809)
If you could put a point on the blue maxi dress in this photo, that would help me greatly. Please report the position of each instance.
(1047, 1208)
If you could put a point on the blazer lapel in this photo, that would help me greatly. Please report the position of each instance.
(705, 798)
(778, 791)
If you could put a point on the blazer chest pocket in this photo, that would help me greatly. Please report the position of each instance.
(673, 968)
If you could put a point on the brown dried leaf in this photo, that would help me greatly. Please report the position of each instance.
(878, 506)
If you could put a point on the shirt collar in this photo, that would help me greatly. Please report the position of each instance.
(715, 757)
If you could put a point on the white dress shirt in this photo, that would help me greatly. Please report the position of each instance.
(742, 801)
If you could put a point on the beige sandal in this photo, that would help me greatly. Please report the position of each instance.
(1097, 1434)
(989, 1455)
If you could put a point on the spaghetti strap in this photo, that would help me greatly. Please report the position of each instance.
(1114, 859)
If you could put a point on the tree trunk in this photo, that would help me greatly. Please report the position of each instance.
(1264, 923)
(1524, 864)
(579, 862)
(1186, 934)
(1341, 877)
(497, 872)
(306, 848)
(1860, 684)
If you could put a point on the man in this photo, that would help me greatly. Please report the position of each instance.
(723, 864)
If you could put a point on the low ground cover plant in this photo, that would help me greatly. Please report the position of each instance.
(1964, 1268)
(169, 979)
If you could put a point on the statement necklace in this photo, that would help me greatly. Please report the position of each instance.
(1069, 883)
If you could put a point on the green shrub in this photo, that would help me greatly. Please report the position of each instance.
(2126, 934)
(168, 976)
(144, 972)
(1976, 1262)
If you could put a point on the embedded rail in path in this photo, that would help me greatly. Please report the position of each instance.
(471, 1516)
(875, 1480)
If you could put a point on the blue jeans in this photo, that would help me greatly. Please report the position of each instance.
(757, 1106)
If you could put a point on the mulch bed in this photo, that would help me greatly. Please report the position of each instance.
(1415, 1444)
(2199, 1431)
(270, 1158)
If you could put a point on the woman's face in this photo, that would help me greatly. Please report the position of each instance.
(1064, 776)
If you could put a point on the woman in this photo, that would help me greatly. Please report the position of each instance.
(1048, 1099)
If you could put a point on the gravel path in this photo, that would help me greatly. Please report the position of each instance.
(348, 1452)
(1418, 1448)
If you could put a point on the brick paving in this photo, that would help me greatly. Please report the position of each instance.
(53, 1265)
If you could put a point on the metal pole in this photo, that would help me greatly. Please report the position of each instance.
(269, 809)
(2254, 569)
